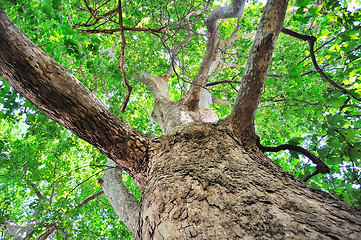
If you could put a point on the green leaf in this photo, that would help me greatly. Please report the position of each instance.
(335, 119)
(356, 151)
(302, 3)
(296, 140)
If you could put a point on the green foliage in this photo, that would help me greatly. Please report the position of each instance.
(301, 105)
(297, 105)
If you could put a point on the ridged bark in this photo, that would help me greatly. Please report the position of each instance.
(206, 184)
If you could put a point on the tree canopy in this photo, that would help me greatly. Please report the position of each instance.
(311, 98)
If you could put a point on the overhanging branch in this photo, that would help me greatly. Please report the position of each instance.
(321, 167)
(60, 96)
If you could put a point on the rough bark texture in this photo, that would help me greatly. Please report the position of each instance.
(259, 60)
(205, 184)
(60, 96)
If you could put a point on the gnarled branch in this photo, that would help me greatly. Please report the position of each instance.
(311, 43)
(320, 166)
(212, 55)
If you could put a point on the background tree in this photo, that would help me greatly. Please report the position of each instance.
(49, 176)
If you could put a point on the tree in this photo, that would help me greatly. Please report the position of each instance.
(204, 177)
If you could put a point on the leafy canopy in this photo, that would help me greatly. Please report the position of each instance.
(46, 169)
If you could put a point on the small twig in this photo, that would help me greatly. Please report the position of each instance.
(76, 186)
(54, 175)
(325, 43)
(90, 10)
(88, 199)
(62, 231)
(121, 62)
(134, 29)
(222, 82)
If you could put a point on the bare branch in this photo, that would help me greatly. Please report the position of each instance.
(320, 166)
(96, 18)
(62, 233)
(190, 32)
(159, 84)
(324, 44)
(212, 55)
(90, 198)
(33, 187)
(121, 62)
(222, 82)
(46, 234)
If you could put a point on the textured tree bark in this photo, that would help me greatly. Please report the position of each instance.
(259, 60)
(206, 184)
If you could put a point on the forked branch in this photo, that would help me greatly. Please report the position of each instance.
(158, 85)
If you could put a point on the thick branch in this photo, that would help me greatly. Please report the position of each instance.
(60, 96)
(231, 11)
(242, 116)
(212, 55)
(125, 205)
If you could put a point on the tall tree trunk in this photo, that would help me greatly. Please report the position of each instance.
(206, 184)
